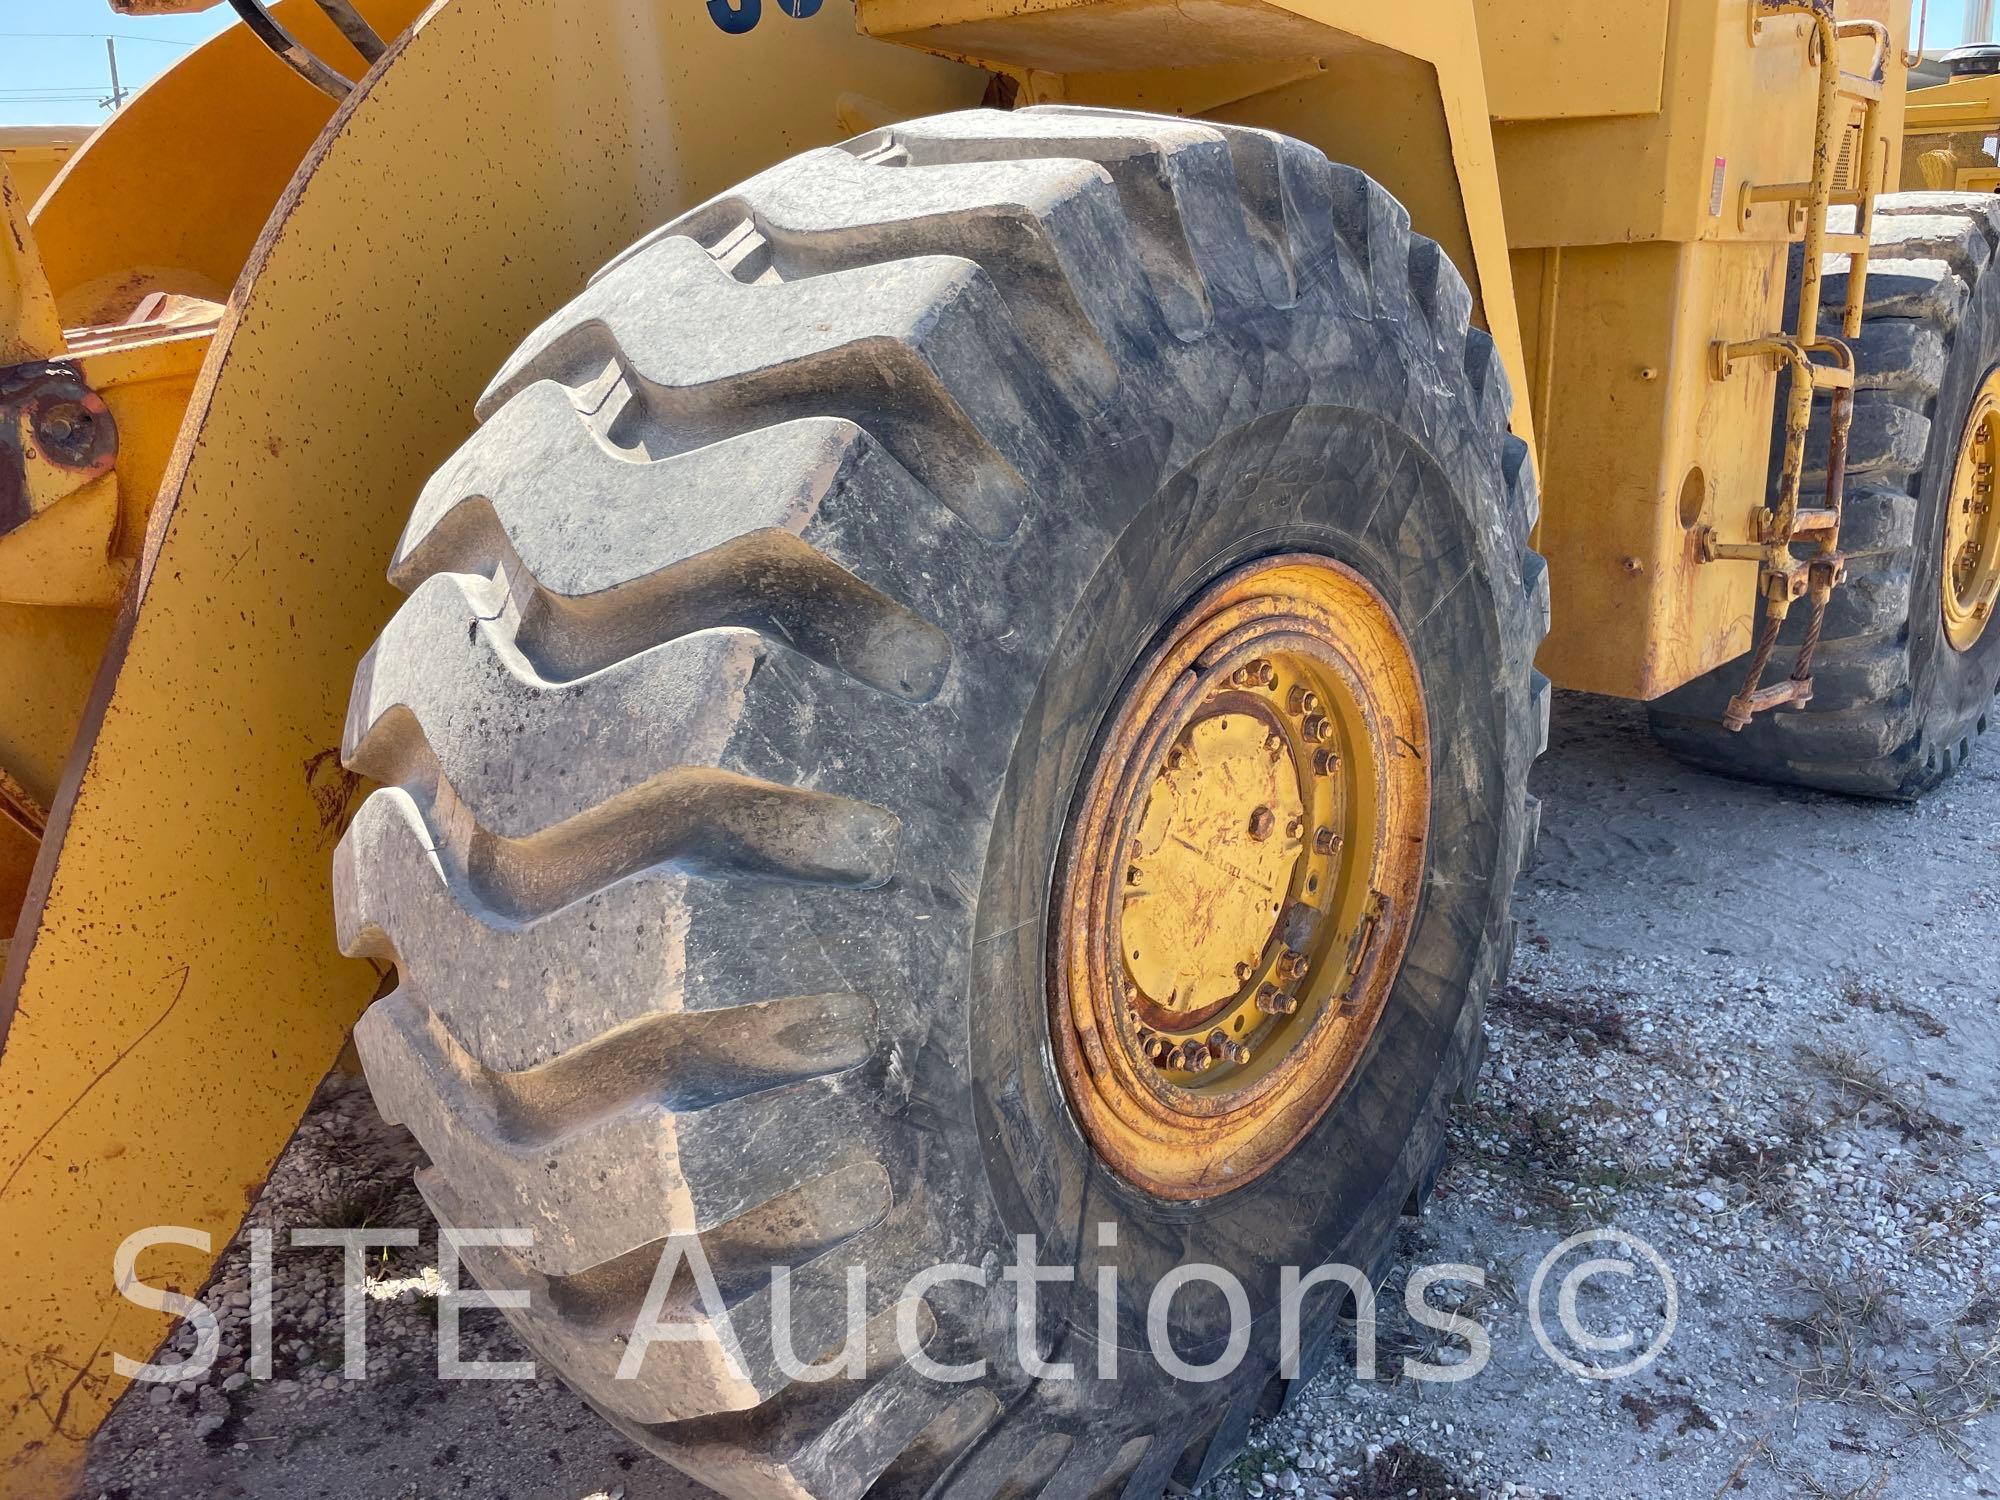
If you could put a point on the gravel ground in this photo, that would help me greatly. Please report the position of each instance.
(1758, 1030)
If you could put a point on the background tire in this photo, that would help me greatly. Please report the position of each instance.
(1895, 707)
(754, 646)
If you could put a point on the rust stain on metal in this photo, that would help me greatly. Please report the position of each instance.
(53, 428)
(1782, 575)
(332, 788)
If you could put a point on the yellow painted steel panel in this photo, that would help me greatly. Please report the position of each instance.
(45, 677)
(35, 153)
(1737, 106)
(1570, 59)
(29, 326)
(1631, 415)
(1968, 103)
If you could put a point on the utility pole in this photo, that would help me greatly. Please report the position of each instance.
(117, 99)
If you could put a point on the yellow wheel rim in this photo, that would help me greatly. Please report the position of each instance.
(1240, 876)
(1971, 559)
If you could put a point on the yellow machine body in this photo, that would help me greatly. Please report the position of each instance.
(34, 154)
(1950, 140)
(1636, 250)
(288, 308)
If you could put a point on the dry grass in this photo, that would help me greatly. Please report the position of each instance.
(1864, 996)
(1864, 1091)
(1589, 1020)
(1689, 1415)
(1809, 1484)
(1850, 1331)
(1766, 1168)
(1567, 1185)
(1953, 1219)
(1398, 1339)
(1401, 1471)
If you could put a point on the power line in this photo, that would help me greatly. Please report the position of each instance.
(92, 36)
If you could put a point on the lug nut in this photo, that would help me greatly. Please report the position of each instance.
(1155, 1048)
(1194, 1057)
(1325, 762)
(1261, 823)
(1223, 1049)
(1273, 1001)
(1314, 727)
(1132, 874)
(1325, 841)
(1295, 828)
(1274, 741)
(1293, 964)
(1302, 700)
(1176, 758)
(1243, 972)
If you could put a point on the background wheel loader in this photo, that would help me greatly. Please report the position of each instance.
(1952, 118)
(973, 668)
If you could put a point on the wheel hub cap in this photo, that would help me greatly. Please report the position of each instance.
(1972, 523)
(1240, 875)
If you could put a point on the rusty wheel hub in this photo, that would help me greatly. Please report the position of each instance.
(1972, 523)
(1239, 877)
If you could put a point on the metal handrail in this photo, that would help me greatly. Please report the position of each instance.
(1880, 31)
(1781, 576)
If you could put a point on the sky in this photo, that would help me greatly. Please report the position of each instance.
(53, 69)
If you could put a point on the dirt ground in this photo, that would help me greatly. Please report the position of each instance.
(1758, 1030)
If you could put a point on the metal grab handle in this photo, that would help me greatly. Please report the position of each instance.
(1879, 69)
(1914, 55)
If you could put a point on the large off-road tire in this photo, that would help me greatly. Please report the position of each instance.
(755, 646)
(1896, 706)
